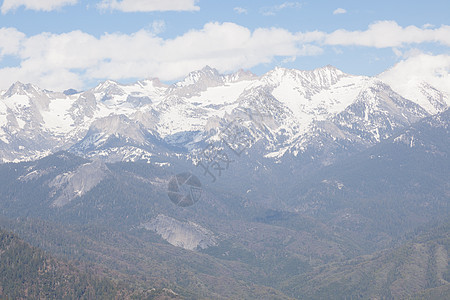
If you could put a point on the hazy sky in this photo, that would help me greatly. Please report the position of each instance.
(59, 44)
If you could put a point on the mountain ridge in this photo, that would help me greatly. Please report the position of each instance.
(293, 101)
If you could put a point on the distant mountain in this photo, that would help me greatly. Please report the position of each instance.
(353, 207)
(397, 184)
(69, 92)
(299, 175)
(297, 111)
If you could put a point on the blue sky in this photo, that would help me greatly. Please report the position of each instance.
(59, 44)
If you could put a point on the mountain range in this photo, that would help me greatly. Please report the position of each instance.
(290, 179)
(297, 111)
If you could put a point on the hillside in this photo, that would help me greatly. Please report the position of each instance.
(29, 273)
(418, 269)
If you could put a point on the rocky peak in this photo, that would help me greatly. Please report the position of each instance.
(18, 88)
(240, 75)
(108, 89)
(315, 79)
(197, 82)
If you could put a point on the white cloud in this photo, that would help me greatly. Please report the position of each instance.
(413, 52)
(387, 34)
(272, 10)
(148, 5)
(45, 5)
(10, 40)
(339, 11)
(60, 61)
(158, 26)
(240, 10)
(416, 68)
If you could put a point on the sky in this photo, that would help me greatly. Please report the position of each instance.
(61, 44)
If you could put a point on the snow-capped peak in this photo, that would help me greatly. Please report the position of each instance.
(108, 85)
(206, 75)
(18, 88)
(318, 78)
(289, 102)
(240, 75)
(327, 75)
(197, 82)
(153, 82)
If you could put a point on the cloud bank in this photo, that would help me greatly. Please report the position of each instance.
(387, 34)
(59, 61)
(419, 67)
(74, 59)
